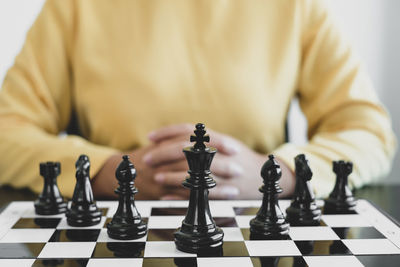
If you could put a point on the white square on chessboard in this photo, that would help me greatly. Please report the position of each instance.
(163, 249)
(243, 221)
(103, 237)
(272, 248)
(67, 250)
(115, 262)
(165, 222)
(17, 262)
(312, 233)
(27, 236)
(247, 203)
(232, 234)
(224, 261)
(371, 246)
(332, 261)
(345, 220)
(64, 225)
(221, 209)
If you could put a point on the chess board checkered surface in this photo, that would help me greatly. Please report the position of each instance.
(367, 238)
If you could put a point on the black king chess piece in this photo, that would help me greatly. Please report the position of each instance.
(50, 201)
(303, 210)
(199, 233)
(270, 222)
(126, 222)
(83, 211)
(341, 199)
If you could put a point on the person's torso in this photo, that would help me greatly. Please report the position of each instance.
(141, 65)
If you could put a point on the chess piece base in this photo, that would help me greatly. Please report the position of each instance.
(347, 206)
(83, 217)
(260, 230)
(303, 216)
(124, 231)
(56, 206)
(189, 239)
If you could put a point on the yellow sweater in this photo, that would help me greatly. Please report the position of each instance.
(129, 67)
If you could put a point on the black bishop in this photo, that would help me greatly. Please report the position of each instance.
(270, 222)
(126, 222)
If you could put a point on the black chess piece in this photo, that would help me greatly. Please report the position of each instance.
(303, 210)
(341, 199)
(50, 201)
(127, 249)
(199, 233)
(269, 222)
(83, 211)
(126, 222)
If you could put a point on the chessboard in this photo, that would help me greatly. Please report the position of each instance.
(366, 238)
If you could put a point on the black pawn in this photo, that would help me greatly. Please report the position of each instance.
(126, 222)
(50, 201)
(83, 211)
(270, 222)
(199, 233)
(303, 210)
(341, 199)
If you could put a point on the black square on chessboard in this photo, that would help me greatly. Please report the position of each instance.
(103, 211)
(119, 250)
(230, 249)
(160, 234)
(60, 262)
(325, 247)
(20, 250)
(379, 260)
(278, 261)
(37, 223)
(246, 211)
(168, 211)
(75, 235)
(357, 232)
(225, 221)
(170, 262)
(246, 235)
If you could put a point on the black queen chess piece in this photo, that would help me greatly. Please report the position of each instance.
(199, 233)
(303, 210)
(83, 210)
(269, 223)
(341, 199)
(50, 201)
(126, 223)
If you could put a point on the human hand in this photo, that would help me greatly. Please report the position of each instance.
(236, 168)
(104, 182)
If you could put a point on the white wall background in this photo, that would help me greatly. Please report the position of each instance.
(372, 26)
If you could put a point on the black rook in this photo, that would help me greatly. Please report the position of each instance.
(50, 201)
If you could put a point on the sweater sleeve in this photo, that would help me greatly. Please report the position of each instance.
(345, 119)
(36, 103)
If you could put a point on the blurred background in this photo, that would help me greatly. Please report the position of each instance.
(371, 26)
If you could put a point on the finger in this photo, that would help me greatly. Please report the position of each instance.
(175, 166)
(224, 167)
(165, 153)
(172, 197)
(170, 132)
(224, 191)
(224, 143)
(170, 178)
